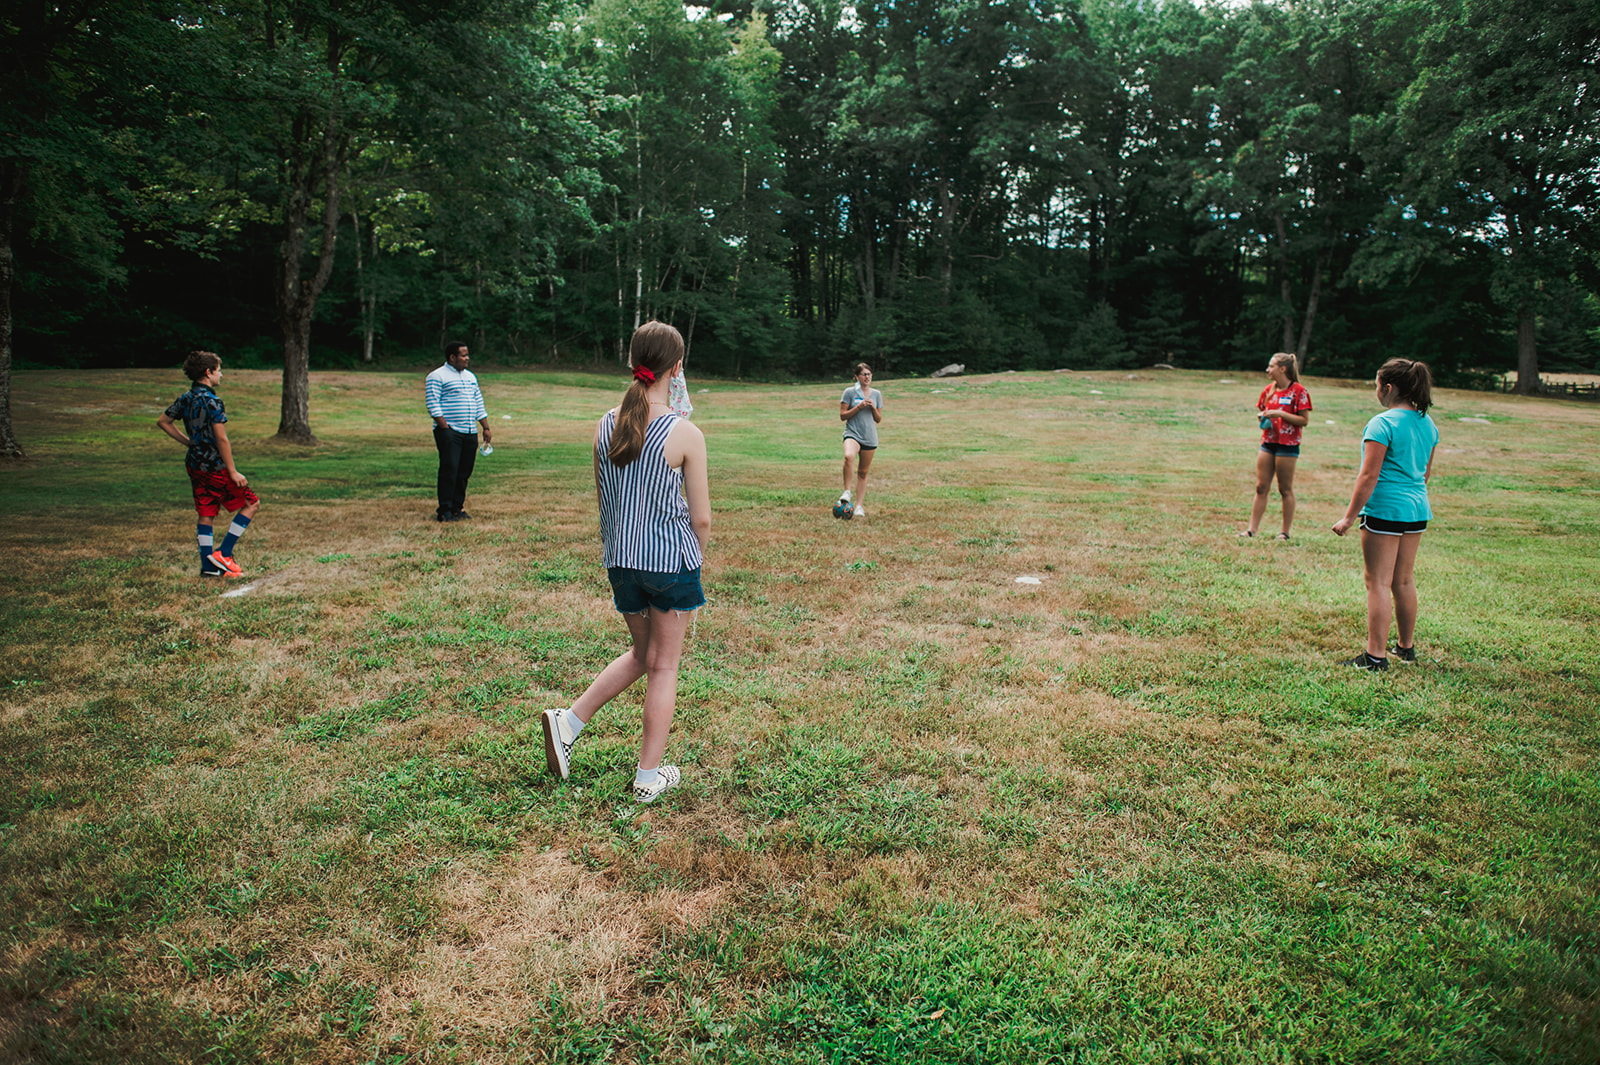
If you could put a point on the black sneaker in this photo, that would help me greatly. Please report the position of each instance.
(1367, 662)
(1406, 655)
(211, 571)
(461, 515)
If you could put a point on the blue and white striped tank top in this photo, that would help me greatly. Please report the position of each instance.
(644, 519)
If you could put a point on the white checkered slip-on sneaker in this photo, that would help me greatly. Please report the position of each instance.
(557, 747)
(667, 777)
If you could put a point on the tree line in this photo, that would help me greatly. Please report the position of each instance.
(798, 184)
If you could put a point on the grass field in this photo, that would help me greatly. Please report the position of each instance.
(1133, 813)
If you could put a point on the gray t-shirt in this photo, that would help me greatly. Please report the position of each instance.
(861, 427)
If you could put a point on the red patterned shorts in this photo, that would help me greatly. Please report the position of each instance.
(215, 493)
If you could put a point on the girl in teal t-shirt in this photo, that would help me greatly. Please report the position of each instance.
(1391, 500)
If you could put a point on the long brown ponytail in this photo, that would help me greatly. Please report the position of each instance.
(655, 349)
(1411, 381)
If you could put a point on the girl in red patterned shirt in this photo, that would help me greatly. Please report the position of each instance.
(1282, 408)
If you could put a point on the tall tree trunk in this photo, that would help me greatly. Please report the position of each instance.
(12, 177)
(947, 226)
(369, 310)
(298, 295)
(365, 292)
(1311, 308)
(625, 343)
(638, 276)
(550, 288)
(866, 264)
(638, 288)
(1093, 237)
(824, 283)
(738, 262)
(801, 272)
(1284, 292)
(477, 302)
(1527, 351)
(622, 301)
(897, 243)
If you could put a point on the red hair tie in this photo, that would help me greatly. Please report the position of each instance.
(644, 374)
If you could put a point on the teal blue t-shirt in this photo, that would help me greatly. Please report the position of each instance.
(1402, 492)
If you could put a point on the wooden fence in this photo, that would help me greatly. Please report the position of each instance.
(1571, 389)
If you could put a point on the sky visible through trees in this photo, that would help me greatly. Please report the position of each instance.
(802, 183)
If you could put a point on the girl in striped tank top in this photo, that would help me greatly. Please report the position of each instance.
(655, 515)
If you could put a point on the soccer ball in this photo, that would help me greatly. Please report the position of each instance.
(843, 510)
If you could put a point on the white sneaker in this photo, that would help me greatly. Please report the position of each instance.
(844, 498)
(667, 777)
(859, 513)
(557, 748)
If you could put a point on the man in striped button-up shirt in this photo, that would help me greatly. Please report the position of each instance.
(456, 403)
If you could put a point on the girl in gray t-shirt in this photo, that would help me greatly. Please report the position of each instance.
(861, 409)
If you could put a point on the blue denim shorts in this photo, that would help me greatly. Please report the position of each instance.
(1282, 451)
(632, 590)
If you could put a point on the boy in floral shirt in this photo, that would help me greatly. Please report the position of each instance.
(218, 485)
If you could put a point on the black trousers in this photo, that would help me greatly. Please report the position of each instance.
(457, 454)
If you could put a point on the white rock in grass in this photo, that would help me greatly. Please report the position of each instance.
(1330, 421)
(505, 417)
(1029, 580)
(1475, 421)
(1096, 392)
(1227, 381)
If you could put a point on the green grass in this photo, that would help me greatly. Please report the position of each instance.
(1134, 813)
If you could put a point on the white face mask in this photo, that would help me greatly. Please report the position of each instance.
(678, 396)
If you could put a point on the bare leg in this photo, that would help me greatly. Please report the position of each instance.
(626, 668)
(1264, 470)
(1404, 586)
(1378, 554)
(851, 447)
(661, 683)
(656, 651)
(862, 466)
(1286, 489)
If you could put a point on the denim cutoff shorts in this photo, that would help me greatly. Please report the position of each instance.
(1282, 451)
(632, 590)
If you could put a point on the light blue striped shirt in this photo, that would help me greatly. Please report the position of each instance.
(454, 395)
(644, 518)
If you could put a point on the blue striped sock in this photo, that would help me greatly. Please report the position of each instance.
(202, 533)
(236, 530)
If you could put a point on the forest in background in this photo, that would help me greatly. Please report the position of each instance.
(797, 184)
